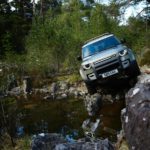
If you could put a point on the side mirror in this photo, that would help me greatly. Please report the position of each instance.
(79, 58)
(123, 41)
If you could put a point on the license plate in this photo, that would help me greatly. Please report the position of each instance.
(109, 73)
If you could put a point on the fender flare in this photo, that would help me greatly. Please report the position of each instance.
(83, 75)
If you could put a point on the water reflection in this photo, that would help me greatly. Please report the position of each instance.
(69, 118)
(89, 127)
(40, 127)
(20, 131)
(52, 116)
(69, 134)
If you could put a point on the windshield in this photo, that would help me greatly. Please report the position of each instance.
(99, 46)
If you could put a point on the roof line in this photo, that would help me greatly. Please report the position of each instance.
(96, 37)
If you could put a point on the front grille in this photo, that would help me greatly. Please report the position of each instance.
(107, 67)
(104, 59)
(106, 64)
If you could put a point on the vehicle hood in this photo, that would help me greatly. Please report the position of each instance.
(103, 54)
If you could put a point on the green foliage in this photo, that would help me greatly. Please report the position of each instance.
(14, 25)
(99, 21)
(23, 143)
(71, 78)
(6, 42)
(58, 32)
(74, 78)
(55, 43)
(145, 58)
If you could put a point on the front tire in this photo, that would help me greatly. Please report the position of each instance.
(91, 88)
(134, 70)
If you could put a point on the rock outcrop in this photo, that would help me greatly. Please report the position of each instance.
(93, 103)
(55, 141)
(136, 115)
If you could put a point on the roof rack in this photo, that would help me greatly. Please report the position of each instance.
(96, 37)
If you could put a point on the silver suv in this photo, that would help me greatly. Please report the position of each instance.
(104, 58)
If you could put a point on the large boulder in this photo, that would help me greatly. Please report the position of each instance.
(136, 115)
(86, 145)
(53, 141)
(46, 141)
(93, 103)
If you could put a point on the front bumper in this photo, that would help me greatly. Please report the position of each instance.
(98, 70)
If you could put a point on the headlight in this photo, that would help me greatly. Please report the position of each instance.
(87, 66)
(123, 52)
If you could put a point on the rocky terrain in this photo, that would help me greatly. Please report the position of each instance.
(135, 134)
(135, 117)
(57, 142)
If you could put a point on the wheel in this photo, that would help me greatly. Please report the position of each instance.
(134, 70)
(91, 88)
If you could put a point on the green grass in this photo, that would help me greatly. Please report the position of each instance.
(73, 78)
(23, 143)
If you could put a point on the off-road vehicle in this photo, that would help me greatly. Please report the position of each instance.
(106, 57)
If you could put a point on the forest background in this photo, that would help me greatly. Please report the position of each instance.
(47, 36)
(44, 39)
